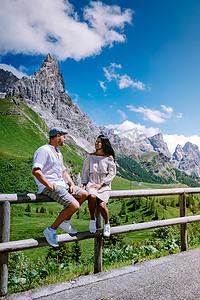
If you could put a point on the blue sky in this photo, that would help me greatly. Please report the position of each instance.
(128, 64)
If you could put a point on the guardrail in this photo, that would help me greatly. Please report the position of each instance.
(6, 246)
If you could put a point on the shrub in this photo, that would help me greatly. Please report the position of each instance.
(61, 253)
(28, 208)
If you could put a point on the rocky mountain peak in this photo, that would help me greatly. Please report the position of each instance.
(188, 147)
(50, 58)
(187, 159)
(49, 68)
(159, 145)
(46, 87)
(178, 153)
(7, 79)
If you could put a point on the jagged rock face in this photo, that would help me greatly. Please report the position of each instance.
(178, 153)
(177, 156)
(159, 164)
(46, 87)
(191, 148)
(7, 79)
(159, 145)
(187, 159)
(144, 145)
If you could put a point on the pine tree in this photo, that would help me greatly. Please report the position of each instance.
(28, 208)
(114, 240)
(42, 210)
(61, 253)
(156, 215)
(76, 251)
(123, 209)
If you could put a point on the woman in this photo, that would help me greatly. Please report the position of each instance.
(98, 171)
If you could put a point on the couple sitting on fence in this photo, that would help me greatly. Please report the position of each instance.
(52, 179)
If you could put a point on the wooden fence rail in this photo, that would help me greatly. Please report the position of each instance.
(6, 246)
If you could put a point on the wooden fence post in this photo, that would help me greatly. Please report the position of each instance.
(182, 204)
(4, 237)
(98, 245)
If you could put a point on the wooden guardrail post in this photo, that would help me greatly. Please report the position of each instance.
(182, 205)
(98, 245)
(4, 237)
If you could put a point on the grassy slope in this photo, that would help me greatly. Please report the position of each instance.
(19, 135)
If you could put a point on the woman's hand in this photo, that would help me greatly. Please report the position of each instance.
(97, 185)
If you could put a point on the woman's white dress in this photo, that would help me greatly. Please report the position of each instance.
(98, 169)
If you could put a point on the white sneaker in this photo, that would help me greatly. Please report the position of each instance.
(67, 226)
(106, 230)
(50, 236)
(92, 226)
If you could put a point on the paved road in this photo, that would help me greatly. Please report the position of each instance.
(172, 277)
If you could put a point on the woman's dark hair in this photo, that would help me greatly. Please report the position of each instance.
(107, 148)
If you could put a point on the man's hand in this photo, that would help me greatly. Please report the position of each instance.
(51, 187)
(72, 189)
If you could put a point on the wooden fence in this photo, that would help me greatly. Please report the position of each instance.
(6, 246)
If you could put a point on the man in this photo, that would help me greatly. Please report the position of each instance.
(53, 181)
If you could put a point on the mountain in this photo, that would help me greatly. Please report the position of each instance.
(159, 145)
(187, 159)
(151, 168)
(157, 163)
(7, 79)
(44, 93)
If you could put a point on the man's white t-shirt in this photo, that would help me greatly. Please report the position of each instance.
(51, 165)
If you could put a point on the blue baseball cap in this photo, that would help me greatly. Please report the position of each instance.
(57, 130)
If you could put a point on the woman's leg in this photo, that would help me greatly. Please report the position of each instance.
(92, 205)
(104, 211)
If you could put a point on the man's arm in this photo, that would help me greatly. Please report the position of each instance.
(41, 178)
(68, 179)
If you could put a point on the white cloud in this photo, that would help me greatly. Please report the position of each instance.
(153, 115)
(123, 115)
(74, 97)
(128, 125)
(52, 26)
(148, 114)
(123, 81)
(16, 72)
(179, 115)
(102, 85)
(169, 110)
(104, 19)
